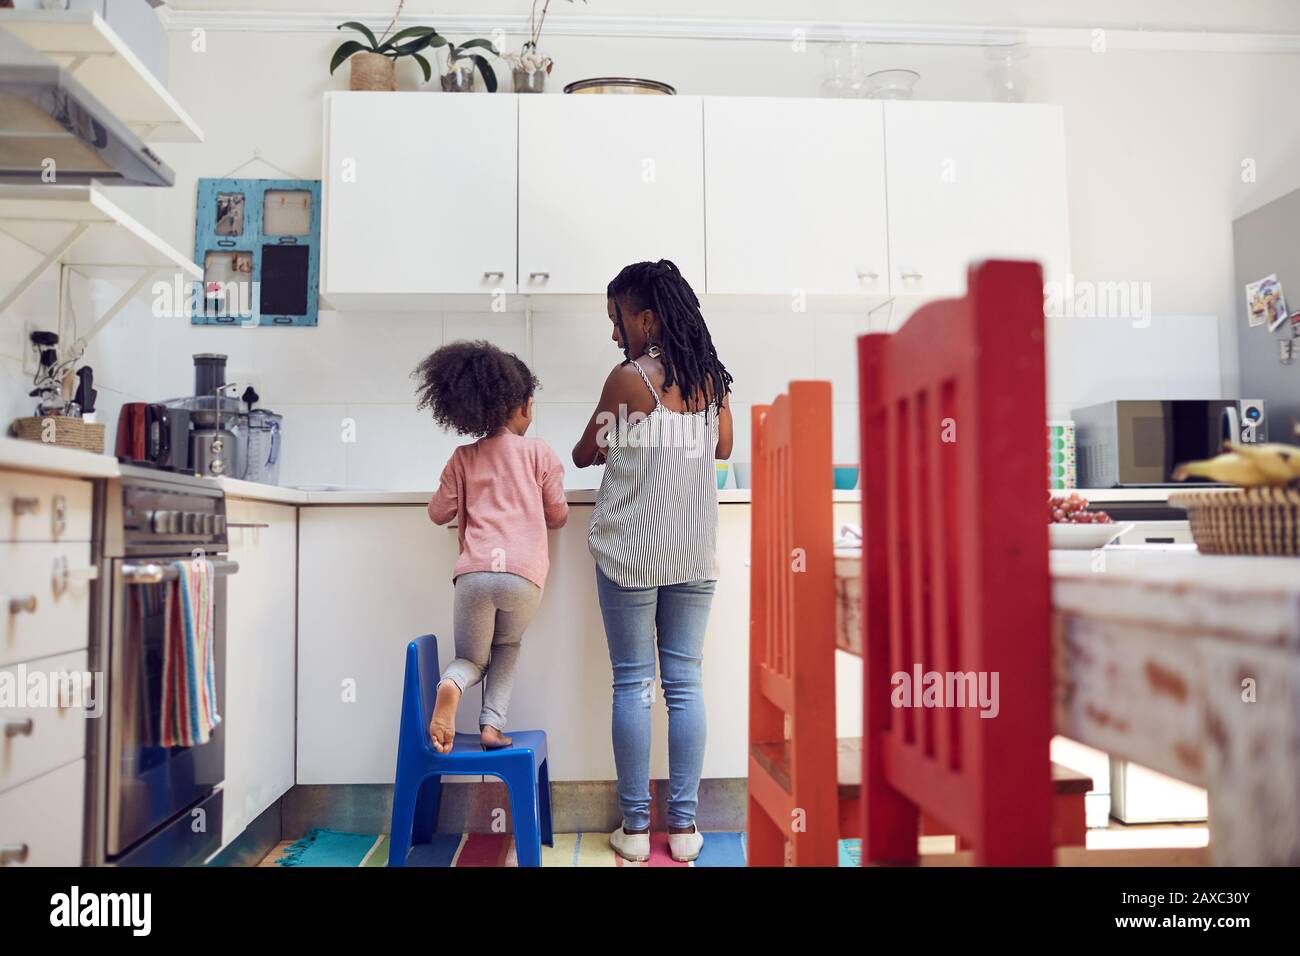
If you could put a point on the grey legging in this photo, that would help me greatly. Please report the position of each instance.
(492, 610)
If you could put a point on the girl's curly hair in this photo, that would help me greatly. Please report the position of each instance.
(473, 387)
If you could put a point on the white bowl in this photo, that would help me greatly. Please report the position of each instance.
(1085, 537)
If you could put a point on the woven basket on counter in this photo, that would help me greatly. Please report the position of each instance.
(1243, 520)
(64, 431)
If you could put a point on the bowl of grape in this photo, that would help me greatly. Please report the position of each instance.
(1072, 527)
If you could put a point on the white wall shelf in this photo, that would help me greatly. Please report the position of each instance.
(82, 42)
(78, 227)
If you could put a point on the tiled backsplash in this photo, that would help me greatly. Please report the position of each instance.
(345, 391)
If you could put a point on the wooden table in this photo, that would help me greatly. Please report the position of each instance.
(1185, 663)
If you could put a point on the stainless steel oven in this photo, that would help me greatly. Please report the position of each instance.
(160, 805)
(1141, 442)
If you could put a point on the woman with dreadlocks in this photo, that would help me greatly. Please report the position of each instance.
(663, 418)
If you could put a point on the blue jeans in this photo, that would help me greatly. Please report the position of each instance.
(634, 617)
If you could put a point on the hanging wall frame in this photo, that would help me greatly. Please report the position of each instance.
(258, 243)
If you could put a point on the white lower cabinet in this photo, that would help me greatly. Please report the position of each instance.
(370, 580)
(260, 660)
(41, 822)
(374, 578)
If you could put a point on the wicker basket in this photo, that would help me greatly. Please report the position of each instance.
(1243, 520)
(65, 431)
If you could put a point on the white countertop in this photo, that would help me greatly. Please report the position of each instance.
(19, 455)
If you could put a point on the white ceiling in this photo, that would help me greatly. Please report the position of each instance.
(1245, 16)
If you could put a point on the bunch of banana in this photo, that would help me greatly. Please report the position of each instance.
(1248, 466)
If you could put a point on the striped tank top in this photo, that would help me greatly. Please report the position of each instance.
(656, 517)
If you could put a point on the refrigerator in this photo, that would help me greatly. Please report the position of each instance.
(1266, 242)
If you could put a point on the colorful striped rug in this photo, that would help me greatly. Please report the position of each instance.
(323, 847)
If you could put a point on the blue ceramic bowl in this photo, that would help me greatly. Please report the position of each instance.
(846, 477)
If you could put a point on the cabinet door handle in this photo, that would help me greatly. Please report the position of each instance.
(59, 516)
(13, 853)
(538, 276)
(246, 524)
(19, 728)
(869, 276)
(22, 603)
(494, 275)
(912, 275)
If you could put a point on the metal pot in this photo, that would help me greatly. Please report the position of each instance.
(620, 84)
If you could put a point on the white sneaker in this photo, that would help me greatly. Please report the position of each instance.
(685, 847)
(630, 846)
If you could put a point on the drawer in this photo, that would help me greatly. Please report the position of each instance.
(44, 611)
(41, 822)
(41, 508)
(39, 735)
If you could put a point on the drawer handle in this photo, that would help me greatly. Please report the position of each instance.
(59, 516)
(19, 728)
(63, 576)
(494, 275)
(22, 603)
(246, 524)
(13, 853)
(869, 276)
(913, 275)
(538, 276)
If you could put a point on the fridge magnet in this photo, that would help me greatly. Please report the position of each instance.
(1286, 351)
(1265, 303)
(1295, 324)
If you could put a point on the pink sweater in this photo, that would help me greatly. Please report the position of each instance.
(506, 490)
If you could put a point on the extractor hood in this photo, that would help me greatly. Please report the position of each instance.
(53, 130)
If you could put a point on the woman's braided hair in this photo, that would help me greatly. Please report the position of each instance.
(689, 358)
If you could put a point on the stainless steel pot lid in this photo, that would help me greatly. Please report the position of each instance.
(620, 84)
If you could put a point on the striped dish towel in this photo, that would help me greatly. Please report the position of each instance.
(189, 690)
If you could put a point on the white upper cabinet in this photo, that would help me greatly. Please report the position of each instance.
(605, 181)
(420, 194)
(795, 196)
(970, 181)
(429, 195)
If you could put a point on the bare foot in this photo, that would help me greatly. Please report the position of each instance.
(442, 728)
(493, 739)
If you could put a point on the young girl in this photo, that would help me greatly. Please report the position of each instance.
(506, 490)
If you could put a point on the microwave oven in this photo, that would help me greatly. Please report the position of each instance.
(1131, 442)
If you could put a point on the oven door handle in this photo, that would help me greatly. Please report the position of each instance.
(152, 573)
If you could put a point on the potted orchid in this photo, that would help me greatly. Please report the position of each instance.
(462, 62)
(373, 62)
(529, 67)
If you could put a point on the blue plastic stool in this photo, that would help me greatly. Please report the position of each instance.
(420, 768)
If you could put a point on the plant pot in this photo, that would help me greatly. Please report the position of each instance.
(526, 82)
(372, 71)
(459, 78)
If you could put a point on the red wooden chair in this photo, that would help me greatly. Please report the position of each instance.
(955, 570)
(792, 763)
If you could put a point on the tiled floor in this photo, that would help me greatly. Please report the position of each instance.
(727, 849)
